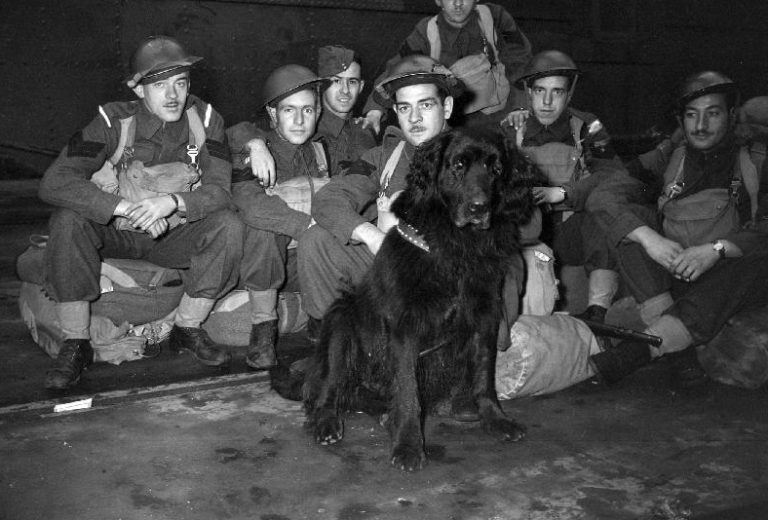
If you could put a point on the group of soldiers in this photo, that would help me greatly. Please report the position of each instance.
(307, 198)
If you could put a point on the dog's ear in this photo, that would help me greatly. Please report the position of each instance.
(427, 162)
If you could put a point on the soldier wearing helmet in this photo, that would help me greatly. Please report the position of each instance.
(352, 213)
(276, 213)
(351, 220)
(344, 136)
(167, 129)
(467, 36)
(573, 151)
(706, 260)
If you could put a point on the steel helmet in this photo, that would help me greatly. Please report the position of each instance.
(548, 63)
(158, 55)
(707, 82)
(414, 70)
(286, 80)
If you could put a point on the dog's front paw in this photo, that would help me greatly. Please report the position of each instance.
(408, 458)
(508, 429)
(329, 428)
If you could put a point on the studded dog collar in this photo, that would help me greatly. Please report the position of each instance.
(412, 235)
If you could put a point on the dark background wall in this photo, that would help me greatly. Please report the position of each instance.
(58, 60)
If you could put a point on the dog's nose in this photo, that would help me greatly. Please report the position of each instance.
(478, 208)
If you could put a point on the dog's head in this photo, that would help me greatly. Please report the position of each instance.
(470, 176)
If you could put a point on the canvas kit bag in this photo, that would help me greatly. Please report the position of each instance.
(137, 304)
(230, 321)
(298, 192)
(482, 74)
(710, 214)
(547, 354)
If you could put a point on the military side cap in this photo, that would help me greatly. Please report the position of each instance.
(333, 59)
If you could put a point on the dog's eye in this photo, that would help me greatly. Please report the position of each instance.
(458, 164)
(496, 169)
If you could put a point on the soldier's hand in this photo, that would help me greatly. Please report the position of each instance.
(261, 161)
(663, 250)
(516, 119)
(158, 228)
(373, 120)
(693, 262)
(542, 194)
(144, 213)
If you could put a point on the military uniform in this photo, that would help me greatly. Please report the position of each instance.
(703, 306)
(328, 260)
(345, 139)
(207, 246)
(270, 222)
(558, 152)
(455, 43)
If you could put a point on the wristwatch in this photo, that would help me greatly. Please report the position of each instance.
(719, 247)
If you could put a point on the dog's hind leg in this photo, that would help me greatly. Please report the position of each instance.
(492, 417)
(406, 426)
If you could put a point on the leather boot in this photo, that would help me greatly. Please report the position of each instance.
(615, 364)
(74, 357)
(261, 347)
(199, 343)
(593, 313)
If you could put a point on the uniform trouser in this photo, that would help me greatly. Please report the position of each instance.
(643, 277)
(580, 241)
(266, 260)
(208, 251)
(731, 285)
(326, 267)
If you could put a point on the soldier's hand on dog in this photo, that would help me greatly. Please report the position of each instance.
(694, 262)
(542, 194)
(144, 213)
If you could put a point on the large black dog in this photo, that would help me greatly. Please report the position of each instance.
(426, 317)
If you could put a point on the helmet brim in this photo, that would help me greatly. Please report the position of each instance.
(521, 83)
(387, 87)
(305, 85)
(166, 68)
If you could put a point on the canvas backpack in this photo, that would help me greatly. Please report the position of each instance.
(134, 181)
(483, 74)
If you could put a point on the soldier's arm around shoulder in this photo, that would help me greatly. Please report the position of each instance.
(215, 164)
(67, 181)
(340, 206)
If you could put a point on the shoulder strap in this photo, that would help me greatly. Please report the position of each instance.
(127, 136)
(486, 24)
(320, 158)
(433, 36)
(196, 126)
(576, 125)
(389, 167)
(674, 171)
(747, 170)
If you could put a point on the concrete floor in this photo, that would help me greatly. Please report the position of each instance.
(214, 445)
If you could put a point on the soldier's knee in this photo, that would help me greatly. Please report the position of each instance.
(65, 220)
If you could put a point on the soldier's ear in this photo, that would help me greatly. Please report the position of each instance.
(272, 111)
(139, 91)
(448, 107)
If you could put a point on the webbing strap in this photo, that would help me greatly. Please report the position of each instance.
(486, 24)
